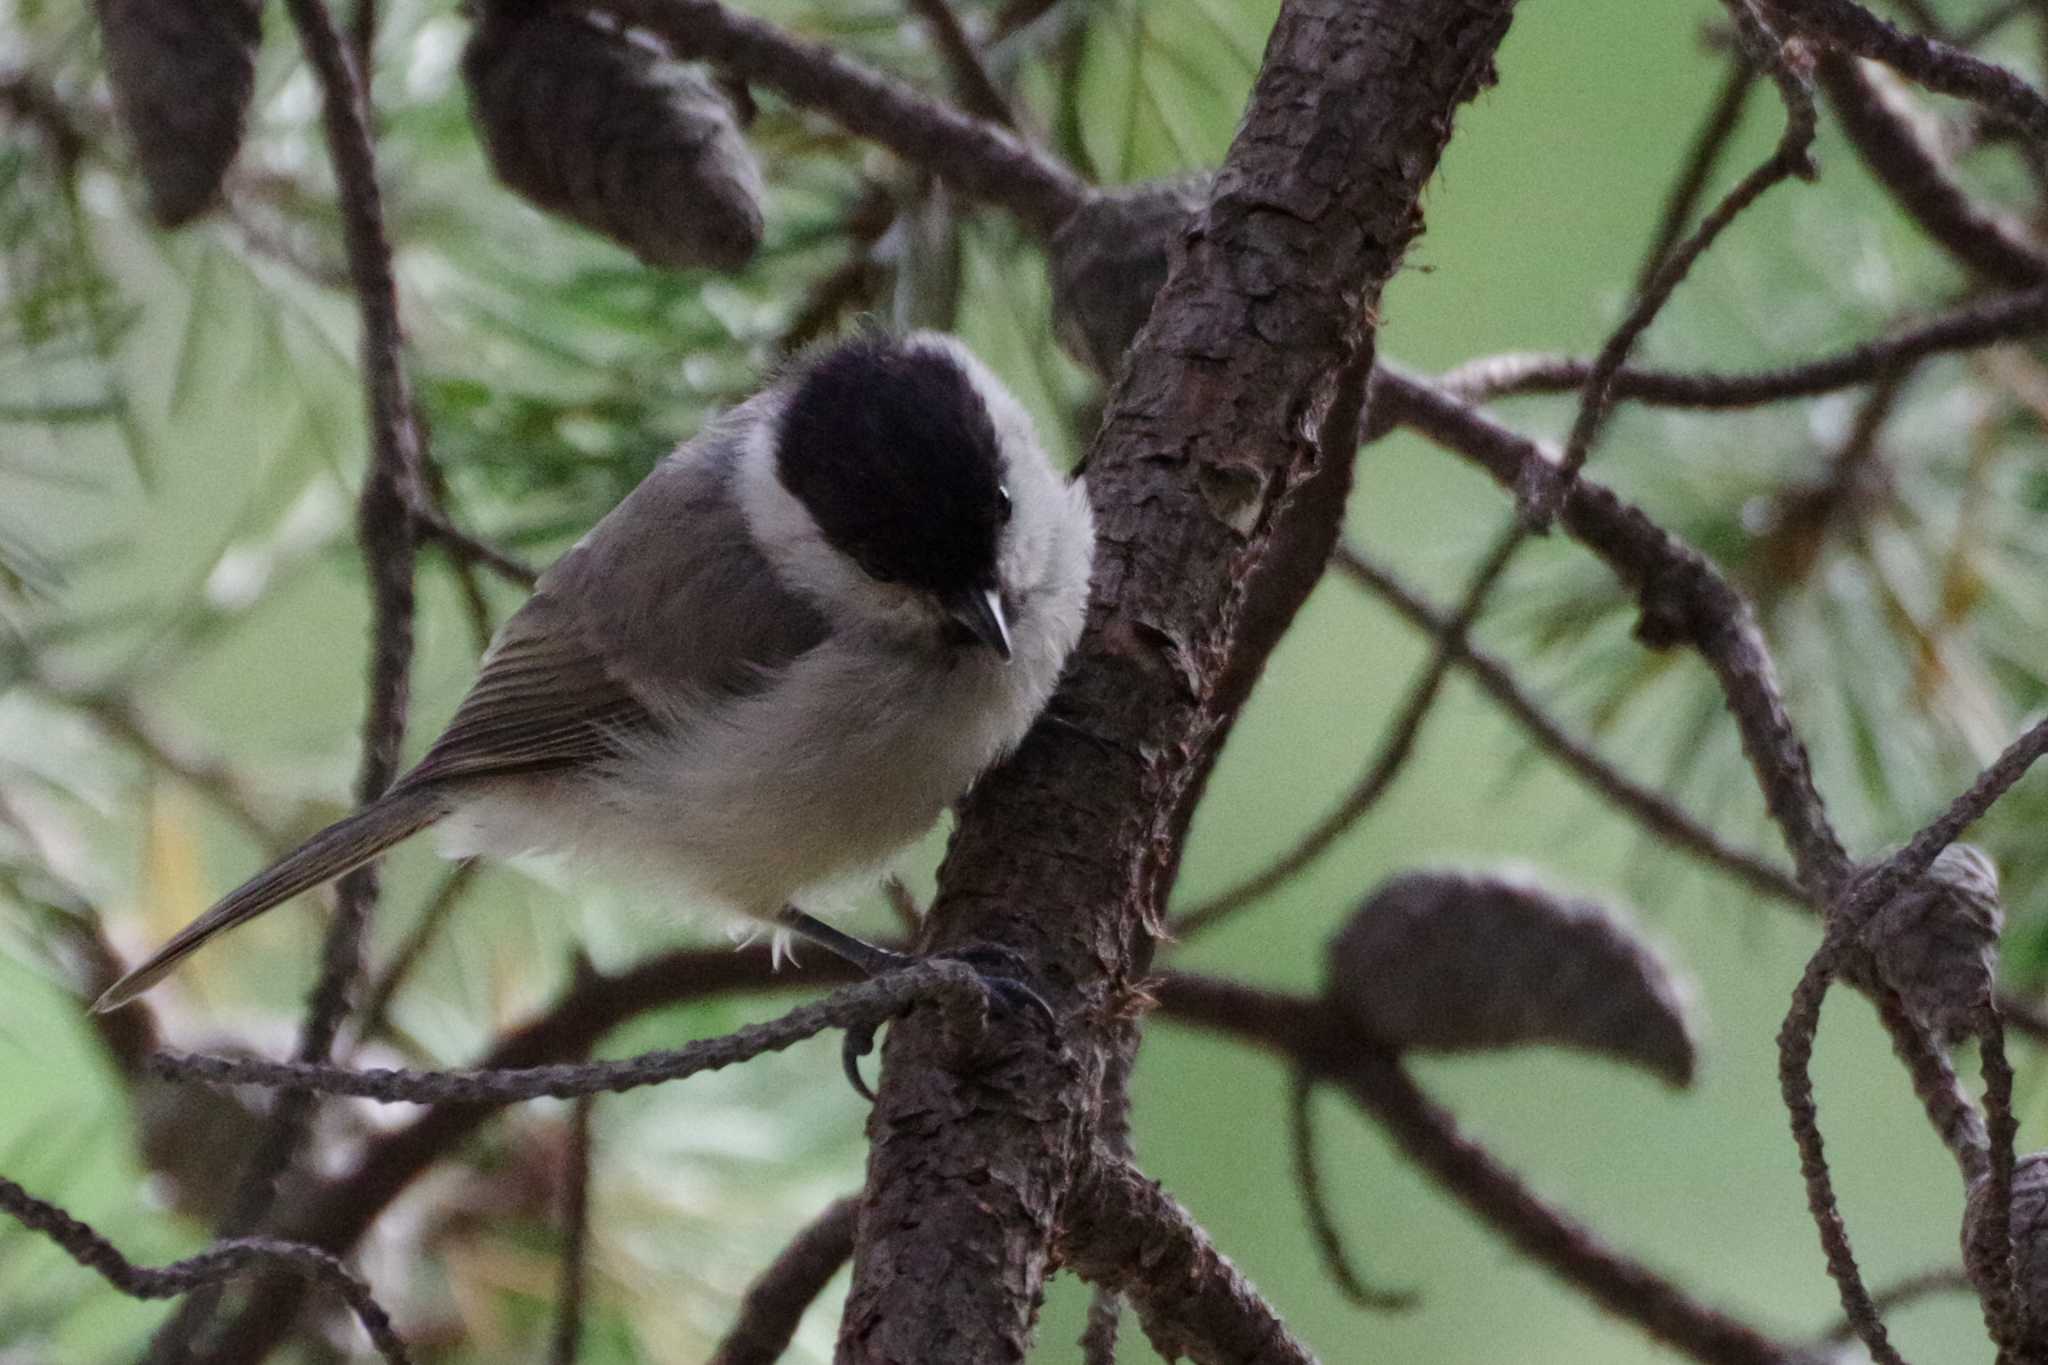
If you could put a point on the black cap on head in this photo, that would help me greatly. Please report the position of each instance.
(891, 450)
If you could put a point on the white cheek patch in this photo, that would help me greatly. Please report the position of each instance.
(796, 547)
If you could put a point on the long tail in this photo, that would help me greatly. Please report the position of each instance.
(342, 847)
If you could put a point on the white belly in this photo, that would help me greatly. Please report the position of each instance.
(822, 776)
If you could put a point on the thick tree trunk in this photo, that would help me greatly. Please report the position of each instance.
(1228, 408)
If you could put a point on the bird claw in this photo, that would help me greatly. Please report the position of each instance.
(1001, 973)
(858, 1043)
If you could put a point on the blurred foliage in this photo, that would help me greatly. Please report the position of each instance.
(181, 635)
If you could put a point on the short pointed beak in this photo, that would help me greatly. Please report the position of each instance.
(980, 611)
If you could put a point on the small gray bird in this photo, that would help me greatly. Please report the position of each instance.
(771, 667)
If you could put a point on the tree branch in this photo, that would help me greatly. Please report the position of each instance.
(1979, 323)
(1685, 599)
(1937, 65)
(977, 158)
(385, 533)
(221, 1261)
(1214, 424)
(1316, 1036)
(1651, 809)
(1989, 243)
(1123, 1232)
(775, 1302)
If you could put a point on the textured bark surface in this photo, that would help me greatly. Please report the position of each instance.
(1066, 855)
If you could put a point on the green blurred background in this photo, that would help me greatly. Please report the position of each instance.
(219, 438)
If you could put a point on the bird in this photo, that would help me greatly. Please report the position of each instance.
(770, 668)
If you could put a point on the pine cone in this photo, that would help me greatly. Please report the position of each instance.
(1108, 261)
(2029, 1245)
(182, 73)
(605, 128)
(1455, 962)
(1936, 943)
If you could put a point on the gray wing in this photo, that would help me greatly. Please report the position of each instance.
(665, 606)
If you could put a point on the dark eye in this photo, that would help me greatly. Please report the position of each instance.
(1003, 505)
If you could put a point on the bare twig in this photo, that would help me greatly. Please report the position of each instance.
(384, 989)
(973, 86)
(775, 1302)
(385, 531)
(1099, 1334)
(1979, 323)
(336, 1214)
(1322, 1224)
(1717, 130)
(1884, 881)
(949, 984)
(219, 1262)
(567, 1336)
(465, 548)
(1651, 809)
(976, 157)
(1314, 1034)
(2005, 1305)
(1126, 1233)
(383, 520)
(1789, 160)
(1932, 63)
(1685, 599)
(1795, 1056)
(1946, 1280)
(1990, 243)
(1395, 749)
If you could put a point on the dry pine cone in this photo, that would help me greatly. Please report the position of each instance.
(182, 72)
(1108, 261)
(1936, 943)
(604, 127)
(1456, 962)
(2029, 1245)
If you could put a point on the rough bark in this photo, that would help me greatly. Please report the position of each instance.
(1066, 855)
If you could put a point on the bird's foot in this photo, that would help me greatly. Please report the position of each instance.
(1001, 972)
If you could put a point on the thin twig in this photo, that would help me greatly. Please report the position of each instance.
(219, 1262)
(1099, 1333)
(1990, 243)
(1968, 326)
(1313, 1033)
(974, 156)
(947, 983)
(1947, 1279)
(1955, 1120)
(1879, 884)
(1397, 745)
(1322, 1224)
(568, 1329)
(1685, 600)
(1997, 1278)
(335, 1214)
(1795, 1057)
(1717, 130)
(1932, 63)
(1653, 810)
(1791, 159)
(973, 86)
(385, 531)
(435, 526)
(373, 1017)
(775, 1302)
(1124, 1232)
